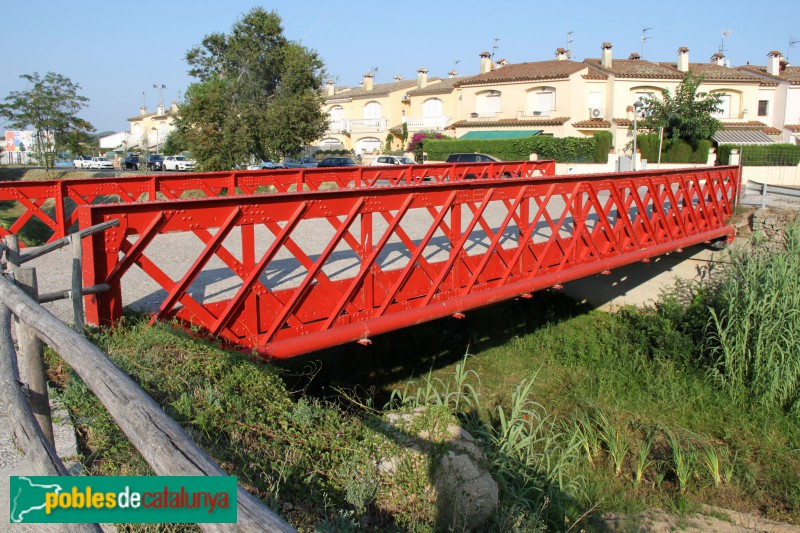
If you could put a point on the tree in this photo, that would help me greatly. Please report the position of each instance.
(258, 95)
(686, 116)
(50, 106)
(175, 142)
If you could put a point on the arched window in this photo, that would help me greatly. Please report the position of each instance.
(372, 114)
(489, 104)
(432, 107)
(336, 121)
(541, 101)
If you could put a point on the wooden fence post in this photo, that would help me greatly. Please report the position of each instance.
(76, 292)
(30, 349)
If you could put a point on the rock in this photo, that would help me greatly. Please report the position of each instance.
(468, 496)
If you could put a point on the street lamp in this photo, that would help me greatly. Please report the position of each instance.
(156, 130)
(637, 106)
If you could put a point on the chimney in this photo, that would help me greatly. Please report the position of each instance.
(369, 81)
(422, 78)
(330, 88)
(398, 78)
(605, 60)
(774, 65)
(561, 54)
(634, 57)
(452, 74)
(173, 107)
(683, 59)
(486, 62)
(160, 109)
(503, 63)
(143, 111)
(719, 59)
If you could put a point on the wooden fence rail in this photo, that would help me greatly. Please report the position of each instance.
(162, 442)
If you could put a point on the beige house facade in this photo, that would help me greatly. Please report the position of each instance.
(559, 97)
(148, 131)
(779, 98)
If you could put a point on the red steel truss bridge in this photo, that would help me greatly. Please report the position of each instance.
(287, 274)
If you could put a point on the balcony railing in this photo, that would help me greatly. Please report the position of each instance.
(337, 125)
(533, 114)
(368, 124)
(439, 122)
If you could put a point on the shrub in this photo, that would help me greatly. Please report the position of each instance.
(561, 149)
(757, 156)
(603, 141)
(674, 151)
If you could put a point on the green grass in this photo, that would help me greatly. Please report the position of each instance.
(577, 411)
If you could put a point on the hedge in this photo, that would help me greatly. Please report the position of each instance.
(603, 142)
(673, 152)
(773, 155)
(561, 149)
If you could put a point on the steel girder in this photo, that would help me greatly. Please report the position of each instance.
(292, 273)
(53, 203)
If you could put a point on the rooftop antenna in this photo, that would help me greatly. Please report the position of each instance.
(144, 100)
(160, 88)
(792, 42)
(725, 34)
(645, 38)
(569, 42)
(374, 71)
(495, 46)
(455, 63)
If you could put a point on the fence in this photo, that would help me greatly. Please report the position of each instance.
(161, 441)
(770, 165)
(53, 203)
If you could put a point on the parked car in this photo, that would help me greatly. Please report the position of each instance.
(81, 161)
(100, 163)
(392, 160)
(178, 162)
(131, 162)
(300, 162)
(337, 162)
(472, 158)
(264, 165)
(155, 162)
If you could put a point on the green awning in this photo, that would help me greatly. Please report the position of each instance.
(500, 134)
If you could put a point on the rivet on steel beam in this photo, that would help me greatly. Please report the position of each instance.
(558, 286)
(458, 315)
(364, 342)
(606, 272)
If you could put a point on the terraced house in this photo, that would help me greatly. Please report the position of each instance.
(559, 97)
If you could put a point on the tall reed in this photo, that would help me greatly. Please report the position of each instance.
(755, 333)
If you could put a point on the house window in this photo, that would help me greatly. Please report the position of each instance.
(724, 107)
(540, 102)
(489, 104)
(336, 121)
(432, 108)
(763, 108)
(372, 115)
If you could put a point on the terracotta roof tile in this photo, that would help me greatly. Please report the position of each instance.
(771, 131)
(712, 71)
(595, 123)
(637, 68)
(442, 86)
(558, 121)
(750, 124)
(794, 128)
(789, 74)
(622, 121)
(380, 89)
(536, 70)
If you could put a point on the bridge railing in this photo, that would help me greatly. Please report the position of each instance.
(292, 273)
(53, 203)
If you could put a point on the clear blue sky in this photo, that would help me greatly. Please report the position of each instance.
(116, 51)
